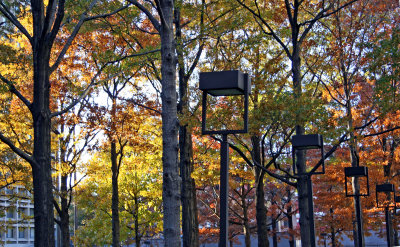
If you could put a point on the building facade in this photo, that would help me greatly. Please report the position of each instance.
(17, 225)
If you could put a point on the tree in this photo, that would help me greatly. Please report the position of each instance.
(350, 92)
(242, 201)
(69, 153)
(47, 21)
(186, 45)
(171, 179)
(139, 186)
(297, 18)
(120, 124)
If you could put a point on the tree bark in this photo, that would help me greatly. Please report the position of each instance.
(41, 169)
(246, 226)
(290, 224)
(64, 193)
(274, 230)
(115, 196)
(190, 224)
(354, 157)
(302, 185)
(261, 209)
(395, 231)
(171, 179)
(64, 216)
(188, 197)
(333, 237)
(290, 220)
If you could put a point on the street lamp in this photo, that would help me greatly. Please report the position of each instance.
(355, 175)
(301, 143)
(306, 142)
(385, 198)
(361, 174)
(224, 83)
(385, 195)
(397, 202)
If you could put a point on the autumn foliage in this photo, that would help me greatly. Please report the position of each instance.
(327, 67)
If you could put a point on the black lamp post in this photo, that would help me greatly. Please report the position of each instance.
(385, 198)
(355, 175)
(224, 83)
(301, 143)
(359, 173)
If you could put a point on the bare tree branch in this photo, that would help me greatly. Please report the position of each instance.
(11, 17)
(75, 31)
(84, 18)
(149, 15)
(321, 14)
(18, 151)
(382, 132)
(271, 31)
(50, 16)
(107, 14)
(13, 90)
(134, 55)
(142, 105)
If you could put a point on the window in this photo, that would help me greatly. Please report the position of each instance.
(31, 212)
(10, 213)
(22, 192)
(24, 212)
(21, 233)
(9, 191)
(32, 233)
(10, 233)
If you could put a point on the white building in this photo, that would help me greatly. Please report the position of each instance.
(17, 226)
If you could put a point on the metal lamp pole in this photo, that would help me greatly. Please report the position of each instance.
(224, 189)
(224, 83)
(390, 201)
(388, 227)
(311, 210)
(356, 173)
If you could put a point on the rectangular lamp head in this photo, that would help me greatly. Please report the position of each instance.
(384, 188)
(361, 171)
(225, 83)
(302, 142)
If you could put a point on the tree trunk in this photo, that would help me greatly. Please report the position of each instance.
(290, 220)
(41, 168)
(190, 224)
(189, 204)
(171, 179)
(64, 216)
(333, 237)
(246, 226)
(115, 196)
(302, 186)
(64, 194)
(354, 159)
(136, 216)
(395, 230)
(274, 230)
(290, 224)
(261, 209)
